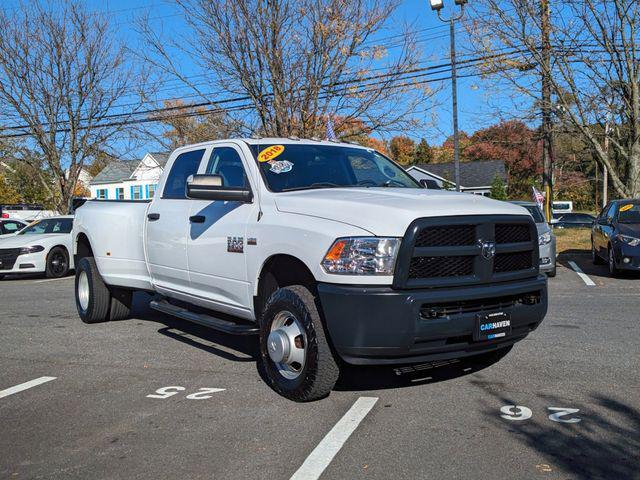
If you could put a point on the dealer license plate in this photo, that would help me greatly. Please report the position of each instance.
(492, 326)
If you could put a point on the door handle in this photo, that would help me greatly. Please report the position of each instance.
(153, 216)
(197, 218)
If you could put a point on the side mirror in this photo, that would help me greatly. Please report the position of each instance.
(430, 184)
(210, 187)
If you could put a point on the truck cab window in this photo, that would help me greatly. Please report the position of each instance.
(226, 162)
(185, 165)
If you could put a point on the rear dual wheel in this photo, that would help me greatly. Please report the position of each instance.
(295, 352)
(94, 300)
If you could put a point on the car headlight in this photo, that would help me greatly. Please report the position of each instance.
(31, 249)
(362, 256)
(544, 238)
(633, 241)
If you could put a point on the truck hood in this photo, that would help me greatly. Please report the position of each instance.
(388, 211)
(45, 239)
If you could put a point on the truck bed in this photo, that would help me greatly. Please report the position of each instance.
(116, 230)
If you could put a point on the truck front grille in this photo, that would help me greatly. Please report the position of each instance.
(8, 257)
(467, 250)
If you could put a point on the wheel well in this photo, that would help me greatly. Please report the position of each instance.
(281, 271)
(83, 248)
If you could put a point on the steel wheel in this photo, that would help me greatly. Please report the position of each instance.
(286, 345)
(83, 290)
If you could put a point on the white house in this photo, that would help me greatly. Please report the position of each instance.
(129, 179)
(475, 177)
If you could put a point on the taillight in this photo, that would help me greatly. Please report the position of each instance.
(5, 215)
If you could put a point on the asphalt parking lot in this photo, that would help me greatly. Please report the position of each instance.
(156, 397)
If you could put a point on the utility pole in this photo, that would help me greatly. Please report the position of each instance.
(605, 172)
(547, 140)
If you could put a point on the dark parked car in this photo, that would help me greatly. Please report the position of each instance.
(572, 220)
(615, 236)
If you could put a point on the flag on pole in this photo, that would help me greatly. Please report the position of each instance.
(331, 134)
(538, 197)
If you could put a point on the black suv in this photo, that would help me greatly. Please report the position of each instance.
(615, 236)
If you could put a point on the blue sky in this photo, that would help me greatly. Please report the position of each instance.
(433, 42)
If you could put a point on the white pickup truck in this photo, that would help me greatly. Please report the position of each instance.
(330, 252)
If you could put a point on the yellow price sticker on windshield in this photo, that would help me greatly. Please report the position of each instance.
(270, 153)
(626, 207)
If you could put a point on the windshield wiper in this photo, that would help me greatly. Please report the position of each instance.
(314, 186)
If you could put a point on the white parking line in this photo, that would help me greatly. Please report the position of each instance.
(333, 441)
(52, 279)
(25, 386)
(585, 278)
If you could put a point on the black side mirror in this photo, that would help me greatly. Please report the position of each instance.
(211, 187)
(430, 184)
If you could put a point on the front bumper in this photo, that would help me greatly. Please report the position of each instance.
(379, 325)
(29, 263)
(632, 254)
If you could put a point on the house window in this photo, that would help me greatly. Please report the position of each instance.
(102, 194)
(151, 190)
(120, 193)
(136, 192)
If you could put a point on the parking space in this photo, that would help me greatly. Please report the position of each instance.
(157, 397)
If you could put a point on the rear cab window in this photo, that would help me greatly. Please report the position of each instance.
(185, 165)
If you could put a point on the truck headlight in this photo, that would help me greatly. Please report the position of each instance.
(544, 238)
(31, 249)
(362, 256)
(633, 241)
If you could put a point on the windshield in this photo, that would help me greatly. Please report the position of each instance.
(49, 225)
(535, 213)
(629, 213)
(299, 167)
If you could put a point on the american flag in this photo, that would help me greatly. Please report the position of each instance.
(537, 197)
(331, 134)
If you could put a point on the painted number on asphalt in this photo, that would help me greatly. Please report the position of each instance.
(515, 412)
(201, 394)
(519, 413)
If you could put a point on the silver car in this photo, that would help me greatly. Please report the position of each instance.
(546, 239)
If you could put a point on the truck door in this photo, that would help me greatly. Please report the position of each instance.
(217, 241)
(168, 226)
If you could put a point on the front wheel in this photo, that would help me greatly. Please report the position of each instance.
(57, 263)
(613, 269)
(295, 352)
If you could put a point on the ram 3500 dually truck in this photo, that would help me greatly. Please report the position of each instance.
(330, 252)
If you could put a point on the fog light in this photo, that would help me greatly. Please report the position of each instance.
(626, 260)
(545, 261)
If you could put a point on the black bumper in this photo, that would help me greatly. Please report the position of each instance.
(379, 325)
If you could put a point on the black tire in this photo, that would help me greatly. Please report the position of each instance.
(595, 258)
(613, 269)
(57, 263)
(320, 371)
(120, 308)
(97, 304)
(552, 273)
(1, 277)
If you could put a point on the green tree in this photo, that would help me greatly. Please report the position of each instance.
(8, 194)
(424, 153)
(498, 188)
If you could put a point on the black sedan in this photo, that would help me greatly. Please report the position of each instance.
(615, 236)
(572, 220)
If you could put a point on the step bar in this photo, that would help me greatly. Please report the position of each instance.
(205, 320)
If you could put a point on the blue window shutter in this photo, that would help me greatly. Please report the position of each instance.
(106, 193)
(146, 191)
(132, 192)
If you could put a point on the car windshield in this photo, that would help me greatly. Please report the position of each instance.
(49, 225)
(629, 213)
(535, 212)
(300, 167)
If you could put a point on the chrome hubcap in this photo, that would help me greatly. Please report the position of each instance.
(83, 290)
(286, 345)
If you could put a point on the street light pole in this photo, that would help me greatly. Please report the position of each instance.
(437, 5)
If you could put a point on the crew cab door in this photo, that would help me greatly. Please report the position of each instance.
(217, 242)
(168, 226)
